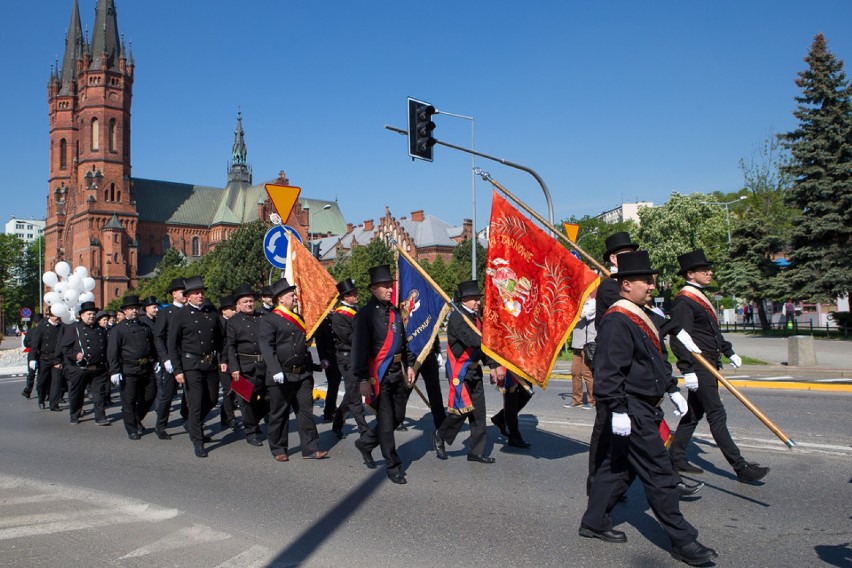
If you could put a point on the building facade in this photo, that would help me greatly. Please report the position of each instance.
(27, 230)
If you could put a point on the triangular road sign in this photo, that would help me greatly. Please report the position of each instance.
(283, 198)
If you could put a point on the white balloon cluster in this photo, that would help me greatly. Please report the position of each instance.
(69, 290)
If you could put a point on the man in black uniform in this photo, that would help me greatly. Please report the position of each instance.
(632, 379)
(194, 342)
(289, 374)
(167, 386)
(245, 362)
(695, 313)
(31, 371)
(266, 300)
(341, 323)
(83, 350)
(382, 364)
(148, 316)
(227, 411)
(131, 355)
(515, 398)
(464, 364)
(42, 358)
(327, 351)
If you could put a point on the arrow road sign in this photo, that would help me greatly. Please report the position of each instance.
(275, 244)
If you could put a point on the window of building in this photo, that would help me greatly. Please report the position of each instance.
(96, 133)
(196, 246)
(112, 129)
(166, 243)
(63, 154)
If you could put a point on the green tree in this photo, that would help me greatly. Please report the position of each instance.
(593, 232)
(357, 265)
(11, 258)
(821, 172)
(236, 260)
(684, 223)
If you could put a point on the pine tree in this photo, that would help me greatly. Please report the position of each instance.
(821, 172)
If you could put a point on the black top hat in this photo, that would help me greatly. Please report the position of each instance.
(468, 289)
(131, 301)
(111, 313)
(150, 301)
(177, 284)
(243, 290)
(193, 283)
(266, 291)
(635, 263)
(101, 314)
(280, 287)
(228, 301)
(345, 286)
(380, 273)
(87, 307)
(693, 260)
(618, 241)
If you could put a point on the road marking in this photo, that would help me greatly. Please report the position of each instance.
(255, 557)
(190, 536)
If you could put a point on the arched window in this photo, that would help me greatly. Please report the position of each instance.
(167, 244)
(63, 154)
(96, 133)
(112, 143)
(196, 246)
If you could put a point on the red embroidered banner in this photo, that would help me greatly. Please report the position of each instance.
(317, 289)
(534, 293)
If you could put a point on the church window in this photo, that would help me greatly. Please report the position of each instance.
(166, 243)
(63, 154)
(196, 246)
(96, 132)
(112, 135)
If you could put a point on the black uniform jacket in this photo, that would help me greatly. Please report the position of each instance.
(161, 331)
(325, 341)
(460, 336)
(195, 339)
(704, 330)
(44, 338)
(341, 324)
(370, 329)
(628, 363)
(130, 348)
(90, 340)
(242, 346)
(284, 349)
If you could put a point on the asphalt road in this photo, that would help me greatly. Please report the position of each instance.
(87, 496)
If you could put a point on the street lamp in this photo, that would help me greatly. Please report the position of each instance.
(325, 207)
(727, 215)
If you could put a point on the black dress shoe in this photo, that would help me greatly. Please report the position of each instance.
(500, 422)
(684, 466)
(338, 431)
(398, 478)
(402, 428)
(685, 490)
(134, 436)
(25, 393)
(55, 409)
(751, 473)
(254, 441)
(103, 423)
(75, 421)
(163, 435)
(694, 553)
(480, 459)
(365, 453)
(200, 452)
(41, 405)
(140, 430)
(518, 443)
(611, 535)
(438, 446)
(62, 400)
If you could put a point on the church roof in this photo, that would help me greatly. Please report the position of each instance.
(176, 203)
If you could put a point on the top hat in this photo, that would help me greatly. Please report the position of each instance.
(177, 284)
(101, 314)
(693, 260)
(228, 301)
(380, 273)
(468, 289)
(280, 287)
(346, 286)
(150, 301)
(266, 291)
(111, 313)
(193, 283)
(618, 241)
(87, 307)
(131, 301)
(635, 263)
(243, 290)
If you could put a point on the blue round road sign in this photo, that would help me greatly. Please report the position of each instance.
(275, 244)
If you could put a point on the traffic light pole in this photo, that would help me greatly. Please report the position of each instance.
(496, 159)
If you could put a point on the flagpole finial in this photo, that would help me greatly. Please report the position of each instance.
(275, 218)
(482, 173)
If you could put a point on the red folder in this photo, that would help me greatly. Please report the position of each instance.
(243, 388)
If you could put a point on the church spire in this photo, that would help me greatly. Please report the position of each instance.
(74, 49)
(239, 171)
(106, 45)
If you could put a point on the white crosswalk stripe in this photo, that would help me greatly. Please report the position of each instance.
(190, 536)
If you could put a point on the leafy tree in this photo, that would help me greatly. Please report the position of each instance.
(593, 232)
(357, 265)
(442, 274)
(238, 259)
(821, 172)
(684, 223)
(11, 257)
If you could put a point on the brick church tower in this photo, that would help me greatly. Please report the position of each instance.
(91, 213)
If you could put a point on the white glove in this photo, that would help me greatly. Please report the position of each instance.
(33, 365)
(157, 367)
(687, 341)
(679, 402)
(620, 424)
(736, 361)
(115, 379)
(691, 381)
(440, 359)
(278, 378)
(168, 366)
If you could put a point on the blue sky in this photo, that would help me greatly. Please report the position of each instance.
(607, 101)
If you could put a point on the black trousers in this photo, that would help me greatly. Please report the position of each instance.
(513, 402)
(644, 455)
(137, 394)
(78, 380)
(281, 399)
(332, 376)
(390, 412)
(31, 377)
(202, 394)
(166, 388)
(352, 401)
(58, 385)
(254, 409)
(226, 412)
(453, 423)
(706, 401)
(44, 380)
(429, 370)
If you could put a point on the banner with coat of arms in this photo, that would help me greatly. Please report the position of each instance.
(534, 294)
(421, 307)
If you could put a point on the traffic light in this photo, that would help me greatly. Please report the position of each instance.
(420, 127)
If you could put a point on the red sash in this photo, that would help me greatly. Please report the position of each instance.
(379, 364)
(699, 298)
(638, 317)
(292, 317)
(345, 311)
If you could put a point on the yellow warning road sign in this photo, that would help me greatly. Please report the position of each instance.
(283, 197)
(571, 231)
